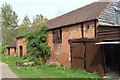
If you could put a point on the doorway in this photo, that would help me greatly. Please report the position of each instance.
(21, 51)
(112, 57)
(8, 51)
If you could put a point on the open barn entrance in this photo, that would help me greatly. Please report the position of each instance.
(112, 57)
(112, 60)
(111, 49)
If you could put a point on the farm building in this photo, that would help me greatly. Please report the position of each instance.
(86, 38)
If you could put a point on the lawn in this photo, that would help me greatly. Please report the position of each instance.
(44, 71)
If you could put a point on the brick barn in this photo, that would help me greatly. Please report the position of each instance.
(86, 38)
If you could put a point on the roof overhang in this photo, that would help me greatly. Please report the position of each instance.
(11, 46)
(20, 37)
(115, 42)
(93, 19)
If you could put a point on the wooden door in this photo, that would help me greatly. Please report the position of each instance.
(94, 58)
(77, 55)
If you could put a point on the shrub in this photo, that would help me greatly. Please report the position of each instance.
(3, 49)
(25, 56)
(36, 42)
(28, 58)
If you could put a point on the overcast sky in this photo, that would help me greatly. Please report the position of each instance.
(49, 8)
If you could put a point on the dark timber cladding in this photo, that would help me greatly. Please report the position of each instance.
(108, 32)
(85, 54)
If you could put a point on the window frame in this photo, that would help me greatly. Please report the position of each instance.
(57, 36)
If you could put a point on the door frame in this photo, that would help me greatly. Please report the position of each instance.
(83, 40)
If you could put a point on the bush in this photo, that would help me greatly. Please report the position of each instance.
(3, 49)
(28, 58)
(36, 42)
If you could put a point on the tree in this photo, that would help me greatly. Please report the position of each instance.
(9, 23)
(25, 24)
(36, 42)
(38, 18)
(21, 29)
(26, 21)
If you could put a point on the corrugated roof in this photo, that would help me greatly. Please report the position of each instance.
(87, 12)
(12, 44)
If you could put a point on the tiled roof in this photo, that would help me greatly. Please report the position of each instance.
(12, 44)
(91, 11)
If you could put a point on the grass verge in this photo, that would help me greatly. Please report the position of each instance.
(44, 71)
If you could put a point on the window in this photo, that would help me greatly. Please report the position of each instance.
(57, 36)
(117, 17)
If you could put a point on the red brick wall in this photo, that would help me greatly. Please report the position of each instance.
(89, 32)
(21, 42)
(61, 52)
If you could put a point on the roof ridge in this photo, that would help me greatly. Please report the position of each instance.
(77, 15)
(60, 15)
(65, 13)
(72, 11)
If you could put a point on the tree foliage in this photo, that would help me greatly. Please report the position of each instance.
(25, 24)
(9, 23)
(21, 29)
(36, 42)
(26, 21)
(38, 18)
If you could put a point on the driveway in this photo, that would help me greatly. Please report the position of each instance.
(5, 71)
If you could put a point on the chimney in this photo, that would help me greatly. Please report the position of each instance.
(46, 19)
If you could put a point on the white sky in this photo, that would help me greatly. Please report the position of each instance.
(49, 8)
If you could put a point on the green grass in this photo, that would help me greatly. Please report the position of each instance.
(44, 71)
